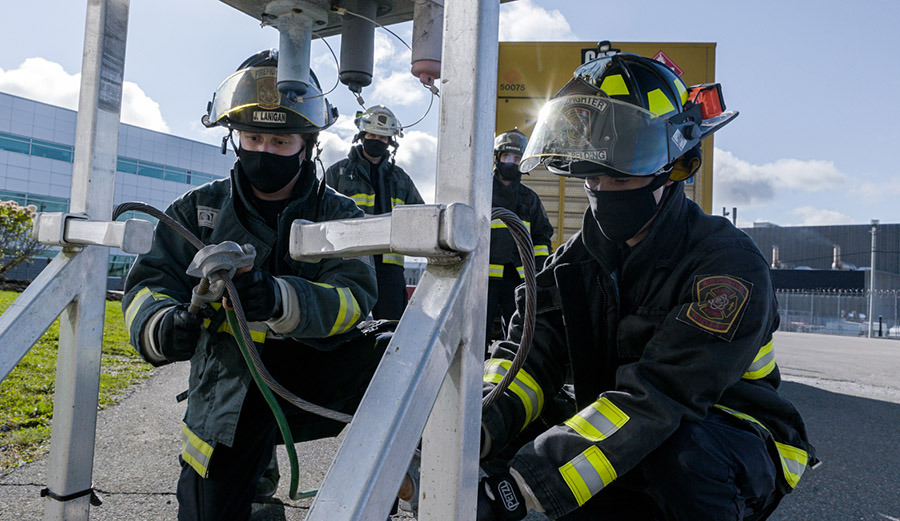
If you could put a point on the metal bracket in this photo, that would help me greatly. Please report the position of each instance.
(440, 233)
(69, 229)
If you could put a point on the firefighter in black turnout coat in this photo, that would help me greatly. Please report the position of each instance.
(659, 316)
(505, 271)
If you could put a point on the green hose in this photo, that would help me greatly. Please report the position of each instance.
(273, 404)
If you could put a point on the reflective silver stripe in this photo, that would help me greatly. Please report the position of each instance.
(495, 270)
(598, 421)
(194, 451)
(363, 199)
(497, 223)
(587, 474)
(392, 258)
(793, 460)
(524, 386)
(396, 202)
(142, 296)
(541, 249)
(763, 364)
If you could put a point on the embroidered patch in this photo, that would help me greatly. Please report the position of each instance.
(207, 216)
(718, 304)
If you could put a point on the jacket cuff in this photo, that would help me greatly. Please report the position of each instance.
(290, 309)
(151, 351)
(531, 501)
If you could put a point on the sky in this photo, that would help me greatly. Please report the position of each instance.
(817, 85)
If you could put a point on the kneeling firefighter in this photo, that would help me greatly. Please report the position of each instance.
(651, 387)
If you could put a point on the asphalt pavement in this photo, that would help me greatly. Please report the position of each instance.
(847, 388)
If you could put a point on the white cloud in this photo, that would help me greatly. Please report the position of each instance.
(742, 183)
(397, 88)
(45, 81)
(877, 192)
(820, 217)
(417, 155)
(523, 21)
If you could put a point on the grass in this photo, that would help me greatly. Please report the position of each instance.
(26, 395)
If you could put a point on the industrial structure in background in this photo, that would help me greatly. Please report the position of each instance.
(841, 279)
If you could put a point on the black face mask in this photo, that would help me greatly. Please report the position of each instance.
(509, 171)
(622, 214)
(374, 147)
(268, 172)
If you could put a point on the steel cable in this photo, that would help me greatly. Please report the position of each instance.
(525, 247)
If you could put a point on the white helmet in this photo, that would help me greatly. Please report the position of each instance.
(378, 120)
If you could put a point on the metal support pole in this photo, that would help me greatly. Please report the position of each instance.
(872, 279)
(450, 446)
(433, 364)
(70, 463)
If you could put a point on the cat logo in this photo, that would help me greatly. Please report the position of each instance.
(718, 304)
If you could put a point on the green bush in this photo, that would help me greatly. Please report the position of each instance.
(16, 243)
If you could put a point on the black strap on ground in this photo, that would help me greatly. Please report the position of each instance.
(95, 499)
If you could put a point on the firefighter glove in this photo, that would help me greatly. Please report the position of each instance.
(499, 499)
(260, 295)
(178, 333)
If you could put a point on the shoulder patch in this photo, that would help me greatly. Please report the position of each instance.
(206, 216)
(718, 304)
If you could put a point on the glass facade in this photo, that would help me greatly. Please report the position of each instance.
(60, 152)
(37, 152)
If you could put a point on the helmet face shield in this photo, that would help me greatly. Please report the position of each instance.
(599, 135)
(249, 100)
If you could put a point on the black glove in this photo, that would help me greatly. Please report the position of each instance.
(499, 499)
(259, 294)
(178, 333)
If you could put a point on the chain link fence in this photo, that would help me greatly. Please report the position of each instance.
(839, 312)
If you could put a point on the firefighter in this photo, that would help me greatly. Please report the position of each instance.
(505, 271)
(302, 315)
(371, 178)
(651, 388)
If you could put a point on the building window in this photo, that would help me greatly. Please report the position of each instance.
(179, 175)
(51, 150)
(129, 166)
(150, 170)
(13, 143)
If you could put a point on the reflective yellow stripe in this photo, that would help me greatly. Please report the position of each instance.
(793, 459)
(541, 250)
(659, 103)
(763, 364)
(614, 85)
(682, 92)
(363, 199)
(194, 451)
(598, 420)
(497, 223)
(521, 272)
(523, 385)
(587, 474)
(495, 270)
(527, 225)
(348, 312)
(142, 296)
(392, 258)
(396, 202)
(793, 462)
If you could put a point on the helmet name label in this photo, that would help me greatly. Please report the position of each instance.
(260, 116)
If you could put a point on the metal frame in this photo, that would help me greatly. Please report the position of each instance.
(74, 283)
(428, 384)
